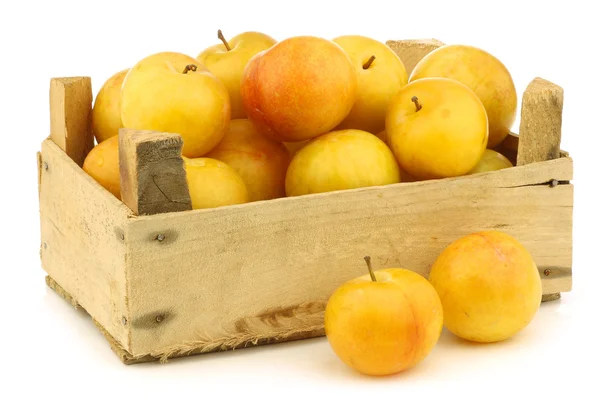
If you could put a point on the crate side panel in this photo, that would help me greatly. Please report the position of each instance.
(221, 277)
(81, 231)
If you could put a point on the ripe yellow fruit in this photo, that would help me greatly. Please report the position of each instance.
(174, 93)
(489, 286)
(491, 161)
(102, 164)
(106, 114)
(212, 183)
(228, 63)
(260, 161)
(339, 160)
(299, 88)
(437, 128)
(387, 326)
(481, 72)
(381, 74)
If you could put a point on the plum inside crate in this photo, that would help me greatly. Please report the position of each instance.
(183, 282)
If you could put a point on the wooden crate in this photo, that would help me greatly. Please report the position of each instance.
(186, 282)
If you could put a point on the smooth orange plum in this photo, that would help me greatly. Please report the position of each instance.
(381, 74)
(386, 326)
(491, 161)
(102, 164)
(228, 60)
(339, 160)
(489, 286)
(298, 89)
(437, 128)
(106, 114)
(483, 73)
(212, 183)
(261, 162)
(174, 93)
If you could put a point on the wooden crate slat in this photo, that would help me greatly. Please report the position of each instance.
(71, 116)
(412, 51)
(152, 172)
(83, 247)
(267, 268)
(541, 122)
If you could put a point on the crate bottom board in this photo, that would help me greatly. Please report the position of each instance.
(128, 359)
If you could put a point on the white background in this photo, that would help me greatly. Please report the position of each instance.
(47, 347)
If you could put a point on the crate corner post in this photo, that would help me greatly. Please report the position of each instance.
(540, 129)
(539, 140)
(152, 172)
(82, 225)
(411, 51)
(71, 116)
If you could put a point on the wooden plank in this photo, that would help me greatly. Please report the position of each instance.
(153, 178)
(128, 359)
(82, 234)
(244, 273)
(510, 146)
(40, 165)
(540, 133)
(550, 297)
(541, 122)
(118, 349)
(52, 284)
(70, 116)
(412, 51)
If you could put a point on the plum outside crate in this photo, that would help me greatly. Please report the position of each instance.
(177, 283)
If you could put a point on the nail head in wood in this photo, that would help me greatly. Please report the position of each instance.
(547, 272)
(124, 321)
(553, 183)
(45, 165)
(152, 171)
(160, 318)
(160, 237)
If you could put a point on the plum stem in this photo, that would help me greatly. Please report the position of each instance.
(415, 100)
(222, 38)
(369, 62)
(189, 67)
(368, 261)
